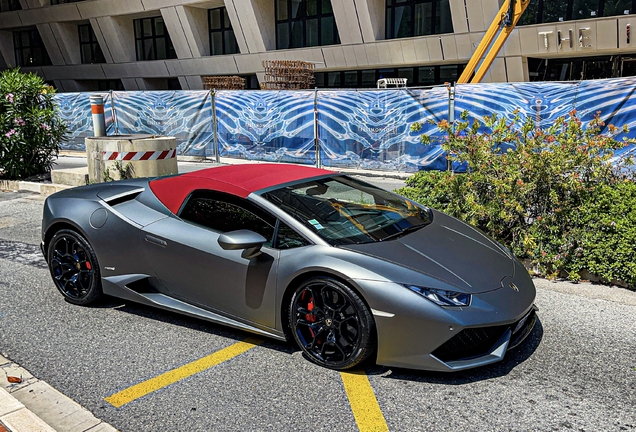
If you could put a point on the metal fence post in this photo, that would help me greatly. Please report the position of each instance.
(217, 156)
(316, 138)
(113, 112)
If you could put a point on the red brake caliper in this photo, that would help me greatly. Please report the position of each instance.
(88, 265)
(310, 316)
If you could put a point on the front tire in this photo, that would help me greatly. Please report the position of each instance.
(331, 324)
(74, 267)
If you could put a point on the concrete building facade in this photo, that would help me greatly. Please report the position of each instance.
(170, 44)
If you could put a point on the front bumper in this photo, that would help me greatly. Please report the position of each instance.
(474, 347)
(414, 333)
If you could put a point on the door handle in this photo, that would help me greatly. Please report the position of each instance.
(156, 241)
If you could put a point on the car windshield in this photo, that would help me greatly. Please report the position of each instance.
(343, 210)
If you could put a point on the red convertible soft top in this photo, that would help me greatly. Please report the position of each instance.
(240, 180)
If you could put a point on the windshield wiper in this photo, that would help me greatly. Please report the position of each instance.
(403, 232)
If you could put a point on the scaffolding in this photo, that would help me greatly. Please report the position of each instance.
(392, 82)
(288, 75)
(223, 83)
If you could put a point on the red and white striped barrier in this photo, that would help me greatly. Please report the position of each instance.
(141, 155)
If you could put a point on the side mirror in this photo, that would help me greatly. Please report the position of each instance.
(247, 240)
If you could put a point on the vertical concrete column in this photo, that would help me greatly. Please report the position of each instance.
(253, 21)
(119, 36)
(517, 69)
(99, 35)
(194, 22)
(50, 44)
(67, 37)
(130, 84)
(7, 55)
(174, 26)
(191, 82)
(371, 17)
(458, 13)
(347, 21)
(497, 72)
(481, 13)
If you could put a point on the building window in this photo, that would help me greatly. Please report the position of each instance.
(222, 39)
(29, 49)
(251, 82)
(57, 2)
(152, 40)
(305, 23)
(409, 18)
(89, 47)
(368, 78)
(548, 11)
(9, 5)
(106, 85)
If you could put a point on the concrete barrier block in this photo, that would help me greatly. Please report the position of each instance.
(70, 176)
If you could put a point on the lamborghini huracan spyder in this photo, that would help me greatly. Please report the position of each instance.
(343, 268)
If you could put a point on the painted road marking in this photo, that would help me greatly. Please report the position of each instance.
(165, 379)
(363, 402)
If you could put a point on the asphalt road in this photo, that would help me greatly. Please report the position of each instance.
(577, 370)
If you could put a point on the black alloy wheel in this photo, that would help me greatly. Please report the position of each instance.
(331, 324)
(74, 267)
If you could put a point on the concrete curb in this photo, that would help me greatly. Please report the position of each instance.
(41, 188)
(33, 405)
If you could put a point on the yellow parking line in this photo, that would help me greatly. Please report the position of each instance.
(363, 403)
(165, 379)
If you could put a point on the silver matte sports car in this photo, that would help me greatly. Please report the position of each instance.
(343, 268)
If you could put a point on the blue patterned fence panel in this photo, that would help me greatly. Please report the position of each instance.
(368, 129)
(266, 125)
(186, 115)
(615, 99)
(75, 110)
(545, 102)
(371, 129)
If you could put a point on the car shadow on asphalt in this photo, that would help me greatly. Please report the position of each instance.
(512, 359)
(192, 323)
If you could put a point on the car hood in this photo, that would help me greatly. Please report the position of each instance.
(448, 250)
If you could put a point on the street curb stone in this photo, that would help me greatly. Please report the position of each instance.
(33, 405)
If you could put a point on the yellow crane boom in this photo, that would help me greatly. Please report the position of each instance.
(501, 27)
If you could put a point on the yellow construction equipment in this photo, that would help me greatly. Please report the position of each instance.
(501, 27)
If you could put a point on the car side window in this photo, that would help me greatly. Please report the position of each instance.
(287, 238)
(223, 216)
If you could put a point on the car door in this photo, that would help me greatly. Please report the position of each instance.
(186, 256)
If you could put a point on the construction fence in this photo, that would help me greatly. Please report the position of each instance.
(367, 129)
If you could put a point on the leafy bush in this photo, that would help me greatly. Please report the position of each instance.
(30, 128)
(538, 191)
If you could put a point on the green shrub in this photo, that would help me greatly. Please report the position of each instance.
(30, 128)
(533, 190)
(607, 235)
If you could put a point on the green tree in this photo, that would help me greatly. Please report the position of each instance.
(31, 129)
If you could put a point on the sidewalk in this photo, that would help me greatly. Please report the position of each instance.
(31, 405)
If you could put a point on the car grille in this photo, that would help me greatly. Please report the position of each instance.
(470, 343)
(476, 342)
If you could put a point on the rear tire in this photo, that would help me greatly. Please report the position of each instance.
(74, 267)
(331, 324)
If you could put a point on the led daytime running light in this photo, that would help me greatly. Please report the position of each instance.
(442, 297)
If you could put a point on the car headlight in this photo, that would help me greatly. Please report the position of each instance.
(442, 297)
